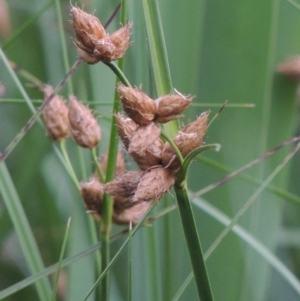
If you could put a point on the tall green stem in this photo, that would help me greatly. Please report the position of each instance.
(193, 242)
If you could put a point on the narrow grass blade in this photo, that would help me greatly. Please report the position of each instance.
(23, 230)
(61, 256)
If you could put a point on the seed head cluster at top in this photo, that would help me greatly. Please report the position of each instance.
(134, 191)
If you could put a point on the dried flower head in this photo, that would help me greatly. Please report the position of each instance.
(290, 68)
(130, 215)
(154, 184)
(84, 127)
(143, 137)
(126, 127)
(138, 106)
(125, 185)
(151, 157)
(170, 107)
(188, 138)
(92, 193)
(56, 116)
(93, 43)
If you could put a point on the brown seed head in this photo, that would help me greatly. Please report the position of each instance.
(126, 127)
(88, 30)
(143, 137)
(151, 157)
(84, 127)
(125, 185)
(290, 68)
(131, 215)
(188, 138)
(154, 184)
(92, 193)
(56, 116)
(120, 39)
(169, 107)
(138, 106)
(104, 50)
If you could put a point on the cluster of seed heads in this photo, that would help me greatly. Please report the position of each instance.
(133, 192)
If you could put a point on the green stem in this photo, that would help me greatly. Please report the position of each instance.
(69, 164)
(174, 146)
(119, 73)
(99, 171)
(193, 242)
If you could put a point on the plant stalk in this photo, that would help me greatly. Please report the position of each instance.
(193, 242)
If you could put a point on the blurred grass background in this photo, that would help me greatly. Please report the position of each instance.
(217, 51)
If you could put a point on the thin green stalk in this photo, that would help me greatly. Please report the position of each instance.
(193, 242)
(130, 282)
(69, 164)
(119, 73)
(99, 171)
(23, 230)
(63, 42)
(61, 256)
(129, 237)
(107, 209)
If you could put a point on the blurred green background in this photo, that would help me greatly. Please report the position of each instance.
(217, 51)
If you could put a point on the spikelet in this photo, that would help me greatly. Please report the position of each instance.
(56, 116)
(131, 215)
(143, 137)
(126, 127)
(137, 105)
(290, 68)
(92, 193)
(124, 186)
(170, 107)
(93, 42)
(84, 127)
(154, 184)
(188, 138)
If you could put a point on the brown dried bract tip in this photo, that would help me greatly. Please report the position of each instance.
(56, 116)
(143, 137)
(120, 164)
(188, 138)
(124, 186)
(154, 184)
(84, 127)
(131, 215)
(92, 193)
(290, 68)
(126, 127)
(138, 106)
(170, 107)
(93, 43)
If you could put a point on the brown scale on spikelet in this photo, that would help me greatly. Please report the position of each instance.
(93, 43)
(151, 157)
(154, 184)
(92, 193)
(126, 127)
(56, 116)
(137, 105)
(125, 185)
(170, 107)
(130, 215)
(143, 137)
(84, 127)
(188, 138)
